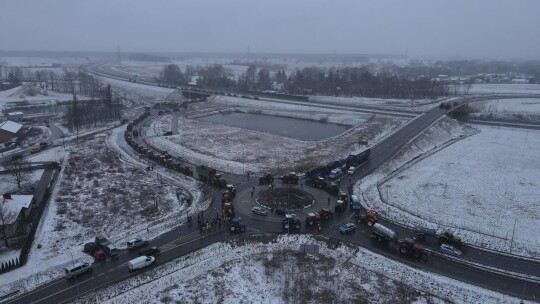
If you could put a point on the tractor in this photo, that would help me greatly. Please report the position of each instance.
(369, 217)
(449, 238)
(326, 214)
(236, 225)
(290, 223)
(312, 219)
(409, 247)
(319, 182)
(341, 206)
(267, 178)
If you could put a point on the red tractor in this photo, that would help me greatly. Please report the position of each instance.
(326, 214)
(369, 217)
(409, 247)
(267, 178)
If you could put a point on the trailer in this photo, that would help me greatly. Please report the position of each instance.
(383, 233)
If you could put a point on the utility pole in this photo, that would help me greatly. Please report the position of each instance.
(513, 230)
(119, 58)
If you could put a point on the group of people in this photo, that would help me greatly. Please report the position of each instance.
(211, 224)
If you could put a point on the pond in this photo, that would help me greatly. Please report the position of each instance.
(284, 126)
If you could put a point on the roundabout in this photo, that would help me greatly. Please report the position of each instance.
(290, 199)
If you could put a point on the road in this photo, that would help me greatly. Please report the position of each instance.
(56, 133)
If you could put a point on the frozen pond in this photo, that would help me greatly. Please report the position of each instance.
(284, 126)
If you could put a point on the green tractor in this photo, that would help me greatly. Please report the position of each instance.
(449, 238)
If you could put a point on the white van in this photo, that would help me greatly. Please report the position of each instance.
(77, 269)
(141, 262)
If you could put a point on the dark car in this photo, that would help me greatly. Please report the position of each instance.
(281, 211)
(91, 247)
(168, 133)
(152, 251)
(43, 145)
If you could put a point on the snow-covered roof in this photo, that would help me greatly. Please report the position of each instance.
(12, 207)
(10, 126)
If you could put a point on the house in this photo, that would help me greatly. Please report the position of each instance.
(14, 209)
(520, 81)
(15, 116)
(9, 130)
(278, 86)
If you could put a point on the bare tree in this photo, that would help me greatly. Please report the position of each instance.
(5, 216)
(19, 169)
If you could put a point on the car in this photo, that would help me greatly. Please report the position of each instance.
(449, 249)
(281, 211)
(152, 251)
(111, 250)
(351, 170)
(136, 243)
(335, 173)
(77, 269)
(346, 228)
(43, 145)
(141, 262)
(35, 149)
(260, 211)
(91, 247)
(168, 133)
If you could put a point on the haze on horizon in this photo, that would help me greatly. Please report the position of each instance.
(420, 28)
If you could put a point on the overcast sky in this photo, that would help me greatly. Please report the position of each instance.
(423, 28)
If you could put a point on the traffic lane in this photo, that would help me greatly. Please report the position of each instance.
(67, 290)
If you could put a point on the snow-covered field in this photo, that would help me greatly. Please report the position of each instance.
(238, 150)
(483, 184)
(505, 89)
(276, 271)
(522, 108)
(99, 191)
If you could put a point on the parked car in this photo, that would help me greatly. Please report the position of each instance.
(168, 133)
(136, 243)
(77, 269)
(351, 170)
(335, 173)
(152, 251)
(449, 249)
(347, 228)
(141, 262)
(35, 149)
(43, 145)
(111, 250)
(90, 247)
(260, 211)
(281, 211)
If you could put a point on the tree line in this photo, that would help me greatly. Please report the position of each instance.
(347, 81)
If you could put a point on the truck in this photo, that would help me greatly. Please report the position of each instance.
(290, 178)
(357, 159)
(236, 225)
(207, 174)
(383, 233)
